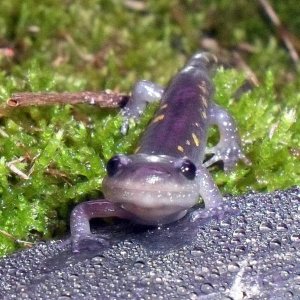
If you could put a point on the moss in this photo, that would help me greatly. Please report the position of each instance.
(269, 133)
(71, 46)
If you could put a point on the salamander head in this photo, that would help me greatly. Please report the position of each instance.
(202, 59)
(156, 189)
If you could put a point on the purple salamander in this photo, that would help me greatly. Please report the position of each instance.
(166, 175)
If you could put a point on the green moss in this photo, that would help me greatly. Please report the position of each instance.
(74, 46)
(269, 133)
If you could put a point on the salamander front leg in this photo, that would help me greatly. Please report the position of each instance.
(144, 92)
(213, 200)
(229, 147)
(81, 235)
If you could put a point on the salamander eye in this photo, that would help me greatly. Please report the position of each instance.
(115, 163)
(188, 169)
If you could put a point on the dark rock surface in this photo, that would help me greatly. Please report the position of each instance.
(252, 255)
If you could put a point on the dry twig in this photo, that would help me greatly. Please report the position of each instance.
(11, 165)
(10, 236)
(241, 64)
(101, 99)
(282, 32)
(136, 5)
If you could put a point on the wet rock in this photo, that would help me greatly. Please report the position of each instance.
(253, 254)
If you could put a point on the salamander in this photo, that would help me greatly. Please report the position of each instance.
(166, 175)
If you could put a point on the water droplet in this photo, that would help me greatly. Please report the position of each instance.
(197, 251)
(123, 253)
(215, 274)
(226, 223)
(233, 267)
(295, 237)
(240, 249)
(265, 226)
(288, 295)
(97, 259)
(139, 263)
(193, 296)
(274, 244)
(158, 280)
(207, 288)
(128, 243)
(281, 227)
(235, 240)
(182, 290)
(215, 229)
(199, 277)
(239, 232)
(285, 274)
(73, 277)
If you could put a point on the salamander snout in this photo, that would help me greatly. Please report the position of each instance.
(156, 189)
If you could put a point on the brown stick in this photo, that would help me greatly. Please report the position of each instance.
(10, 236)
(281, 31)
(101, 99)
(240, 63)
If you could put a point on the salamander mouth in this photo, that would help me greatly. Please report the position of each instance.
(146, 187)
(151, 203)
(155, 216)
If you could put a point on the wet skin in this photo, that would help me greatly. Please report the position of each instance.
(165, 176)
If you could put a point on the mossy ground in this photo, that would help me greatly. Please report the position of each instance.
(95, 45)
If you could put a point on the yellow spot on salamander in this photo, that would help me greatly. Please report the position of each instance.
(164, 106)
(187, 142)
(158, 118)
(204, 101)
(180, 148)
(196, 140)
(203, 89)
(203, 113)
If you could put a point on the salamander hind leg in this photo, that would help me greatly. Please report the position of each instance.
(215, 207)
(229, 148)
(144, 92)
(81, 236)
